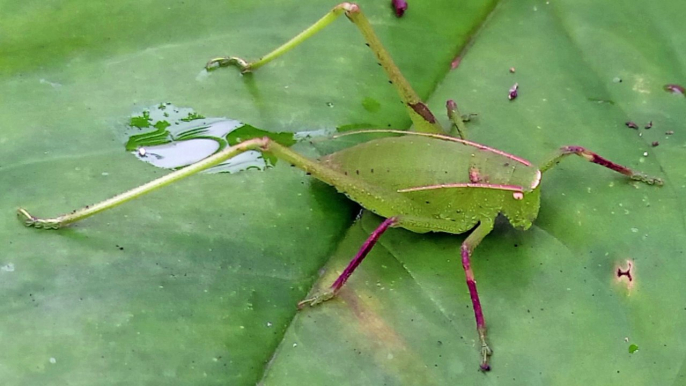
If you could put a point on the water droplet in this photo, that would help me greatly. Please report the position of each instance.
(9, 267)
(269, 324)
(329, 104)
(53, 360)
(634, 230)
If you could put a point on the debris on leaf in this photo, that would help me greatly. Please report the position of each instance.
(631, 125)
(649, 125)
(399, 6)
(656, 143)
(513, 92)
(675, 89)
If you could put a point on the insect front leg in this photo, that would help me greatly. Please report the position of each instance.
(466, 250)
(419, 112)
(457, 122)
(597, 159)
(354, 263)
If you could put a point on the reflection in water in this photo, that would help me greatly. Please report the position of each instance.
(175, 137)
(172, 137)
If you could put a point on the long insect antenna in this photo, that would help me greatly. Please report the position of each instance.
(590, 156)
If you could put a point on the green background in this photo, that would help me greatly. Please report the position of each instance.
(197, 283)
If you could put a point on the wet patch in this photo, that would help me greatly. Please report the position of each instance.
(172, 137)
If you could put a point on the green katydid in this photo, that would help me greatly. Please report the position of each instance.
(423, 181)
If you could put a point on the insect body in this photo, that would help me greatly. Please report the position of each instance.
(423, 181)
(449, 185)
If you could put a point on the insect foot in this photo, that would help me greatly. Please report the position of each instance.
(227, 61)
(30, 221)
(318, 298)
(646, 179)
(486, 352)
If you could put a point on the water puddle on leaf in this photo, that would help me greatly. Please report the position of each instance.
(172, 137)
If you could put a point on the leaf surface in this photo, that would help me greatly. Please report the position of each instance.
(197, 284)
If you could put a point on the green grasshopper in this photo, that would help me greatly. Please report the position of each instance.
(423, 181)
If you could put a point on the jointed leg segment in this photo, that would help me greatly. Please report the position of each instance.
(420, 114)
(458, 126)
(354, 263)
(466, 250)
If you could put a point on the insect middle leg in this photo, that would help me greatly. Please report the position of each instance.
(597, 159)
(419, 112)
(354, 263)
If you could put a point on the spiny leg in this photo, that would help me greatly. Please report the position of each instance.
(354, 263)
(466, 250)
(596, 159)
(420, 114)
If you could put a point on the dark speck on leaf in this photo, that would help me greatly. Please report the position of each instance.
(631, 125)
